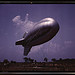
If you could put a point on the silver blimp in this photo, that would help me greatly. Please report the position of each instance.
(42, 32)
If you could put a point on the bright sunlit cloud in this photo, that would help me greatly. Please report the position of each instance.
(25, 25)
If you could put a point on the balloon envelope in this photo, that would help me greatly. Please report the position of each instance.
(42, 32)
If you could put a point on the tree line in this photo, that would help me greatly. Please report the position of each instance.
(26, 59)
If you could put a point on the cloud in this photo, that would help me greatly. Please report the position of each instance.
(17, 20)
(51, 49)
(68, 42)
(36, 48)
(22, 26)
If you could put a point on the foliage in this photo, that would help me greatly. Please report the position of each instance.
(5, 61)
(45, 59)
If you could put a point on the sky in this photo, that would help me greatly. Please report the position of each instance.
(16, 19)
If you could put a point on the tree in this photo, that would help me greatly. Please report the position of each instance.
(31, 60)
(35, 61)
(6, 61)
(26, 59)
(53, 59)
(60, 59)
(45, 59)
(13, 61)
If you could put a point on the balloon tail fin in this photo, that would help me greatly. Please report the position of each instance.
(26, 50)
